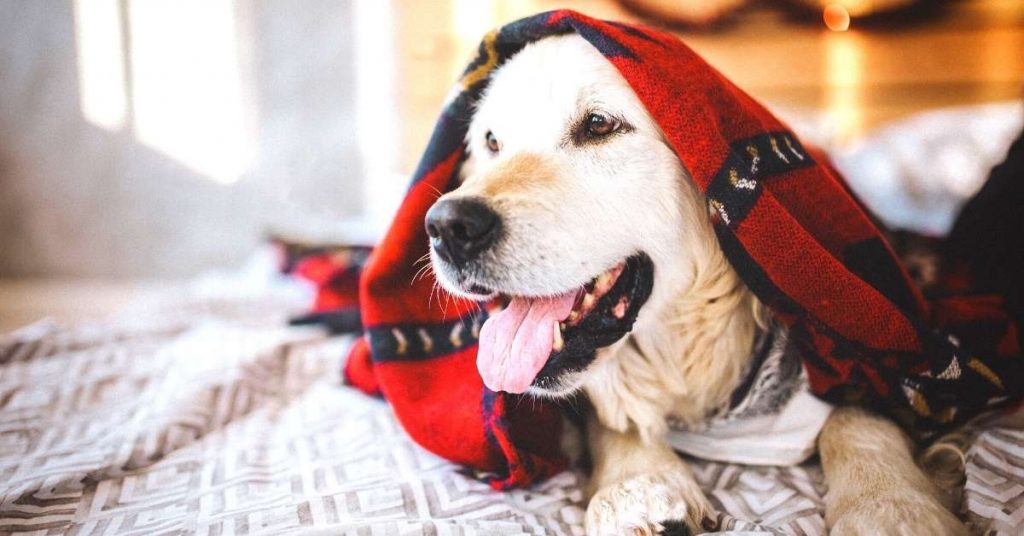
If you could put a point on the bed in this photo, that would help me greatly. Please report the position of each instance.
(199, 411)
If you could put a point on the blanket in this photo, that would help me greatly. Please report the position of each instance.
(785, 219)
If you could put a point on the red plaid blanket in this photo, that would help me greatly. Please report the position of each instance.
(783, 216)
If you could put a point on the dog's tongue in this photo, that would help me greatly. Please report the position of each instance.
(516, 342)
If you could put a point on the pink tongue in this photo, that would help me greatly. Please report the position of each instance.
(516, 342)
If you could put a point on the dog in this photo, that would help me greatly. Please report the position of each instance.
(575, 213)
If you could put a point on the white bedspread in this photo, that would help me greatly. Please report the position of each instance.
(202, 414)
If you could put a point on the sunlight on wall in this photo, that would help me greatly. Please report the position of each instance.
(178, 83)
(376, 109)
(187, 96)
(101, 82)
(844, 67)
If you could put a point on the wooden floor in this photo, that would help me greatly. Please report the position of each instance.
(972, 53)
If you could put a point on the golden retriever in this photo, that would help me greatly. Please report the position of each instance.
(575, 213)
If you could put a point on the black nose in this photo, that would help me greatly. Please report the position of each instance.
(460, 229)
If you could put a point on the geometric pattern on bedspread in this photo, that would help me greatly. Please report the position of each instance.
(210, 418)
(994, 493)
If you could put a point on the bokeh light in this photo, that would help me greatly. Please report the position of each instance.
(837, 18)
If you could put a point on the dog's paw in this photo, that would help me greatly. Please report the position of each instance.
(910, 515)
(669, 504)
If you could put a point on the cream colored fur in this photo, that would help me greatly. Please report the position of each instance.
(875, 487)
(572, 211)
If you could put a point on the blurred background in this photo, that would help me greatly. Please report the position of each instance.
(146, 141)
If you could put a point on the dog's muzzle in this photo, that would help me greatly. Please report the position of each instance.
(461, 229)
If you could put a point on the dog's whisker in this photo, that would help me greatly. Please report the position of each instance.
(434, 188)
(573, 400)
(439, 292)
(447, 301)
(421, 273)
(430, 297)
(519, 401)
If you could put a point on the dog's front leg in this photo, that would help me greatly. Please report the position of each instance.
(640, 489)
(874, 486)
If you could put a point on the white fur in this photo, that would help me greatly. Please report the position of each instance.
(570, 212)
(586, 208)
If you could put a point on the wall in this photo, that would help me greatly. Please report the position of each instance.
(203, 127)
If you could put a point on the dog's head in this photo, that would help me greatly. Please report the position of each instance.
(573, 212)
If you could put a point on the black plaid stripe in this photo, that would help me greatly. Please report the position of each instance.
(414, 342)
(737, 185)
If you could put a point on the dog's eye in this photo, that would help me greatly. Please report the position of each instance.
(598, 125)
(492, 143)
